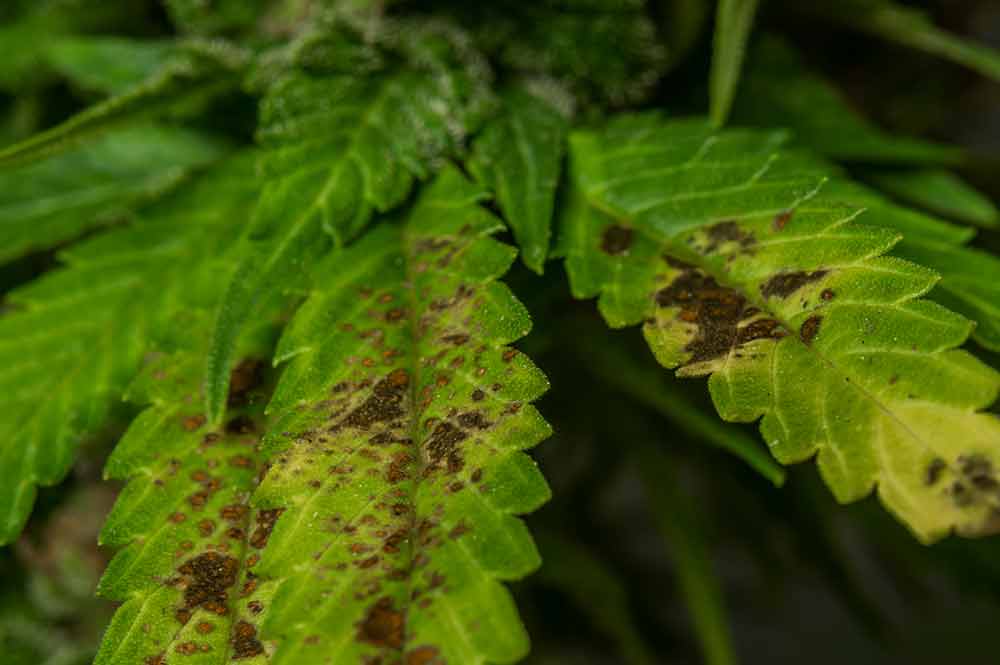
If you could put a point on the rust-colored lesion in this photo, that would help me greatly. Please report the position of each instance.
(721, 316)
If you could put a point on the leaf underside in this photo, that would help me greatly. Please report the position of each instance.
(742, 268)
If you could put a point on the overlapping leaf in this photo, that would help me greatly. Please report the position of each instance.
(396, 448)
(519, 156)
(72, 340)
(747, 272)
(49, 202)
(347, 130)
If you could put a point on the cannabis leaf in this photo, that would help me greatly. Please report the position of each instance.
(750, 274)
(347, 130)
(49, 202)
(396, 445)
(968, 277)
(187, 80)
(519, 156)
(76, 337)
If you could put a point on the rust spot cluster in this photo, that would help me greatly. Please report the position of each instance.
(717, 312)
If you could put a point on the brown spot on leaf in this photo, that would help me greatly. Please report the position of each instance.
(616, 239)
(728, 231)
(383, 626)
(809, 329)
(191, 423)
(265, 523)
(209, 577)
(423, 656)
(245, 642)
(785, 284)
(717, 312)
(384, 404)
(782, 218)
(934, 471)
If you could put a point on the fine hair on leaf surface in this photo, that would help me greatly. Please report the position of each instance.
(343, 332)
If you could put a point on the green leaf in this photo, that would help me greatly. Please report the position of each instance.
(396, 447)
(72, 340)
(733, 23)
(519, 156)
(52, 201)
(937, 191)
(185, 81)
(750, 274)
(108, 65)
(779, 90)
(342, 142)
(596, 589)
(909, 27)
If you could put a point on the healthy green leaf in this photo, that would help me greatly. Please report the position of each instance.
(519, 156)
(49, 202)
(396, 448)
(187, 80)
(108, 65)
(779, 90)
(73, 339)
(750, 274)
(346, 135)
(733, 23)
(937, 191)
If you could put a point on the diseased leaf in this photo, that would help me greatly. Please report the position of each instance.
(396, 448)
(72, 340)
(189, 78)
(778, 90)
(519, 156)
(345, 135)
(750, 274)
(49, 202)
(937, 191)
(733, 23)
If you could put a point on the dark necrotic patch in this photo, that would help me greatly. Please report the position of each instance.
(245, 642)
(383, 626)
(781, 219)
(809, 329)
(616, 239)
(384, 404)
(728, 231)
(209, 577)
(785, 284)
(265, 524)
(934, 471)
(424, 656)
(717, 311)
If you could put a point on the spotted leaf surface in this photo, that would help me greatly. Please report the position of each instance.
(347, 129)
(72, 341)
(747, 272)
(399, 425)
